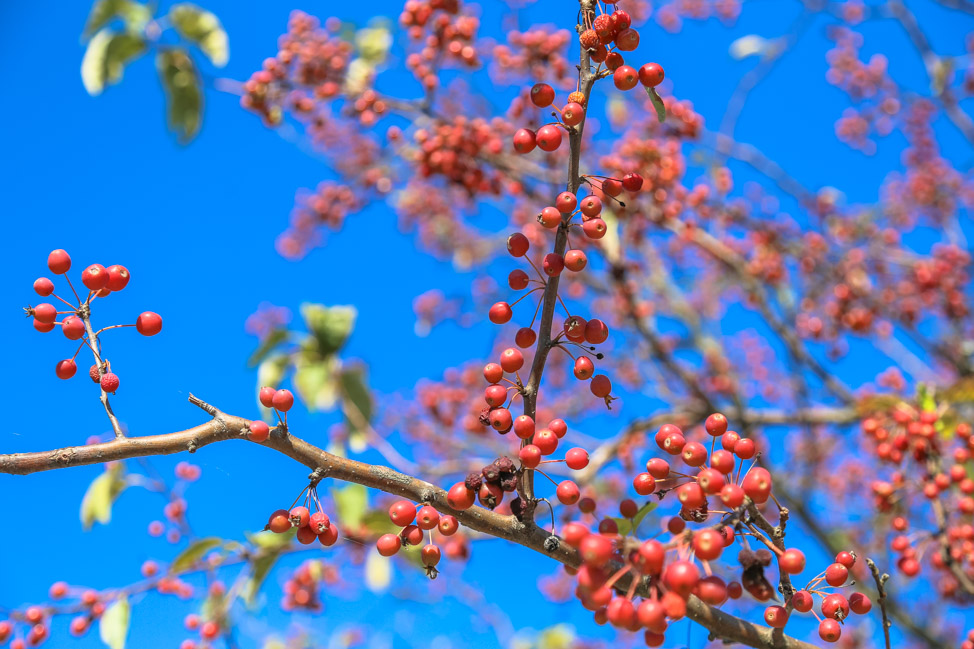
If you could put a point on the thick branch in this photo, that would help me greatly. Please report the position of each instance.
(223, 427)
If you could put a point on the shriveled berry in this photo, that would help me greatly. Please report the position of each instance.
(109, 382)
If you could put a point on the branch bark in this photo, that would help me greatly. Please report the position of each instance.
(224, 427)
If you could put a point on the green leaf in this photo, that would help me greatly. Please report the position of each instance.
(184, 93)
(377, 523)
(378, 572)
(106, 57)
(351, 503)
(357, 393)
(135, 15)
(314, 380)
(114, 624)
(260, 568)
(267, 345)
(272, 540)
(559, 636)
(101, 494)
(626, 526)
(194, 553)
(330, 326)
(657, 104)
(204, 29)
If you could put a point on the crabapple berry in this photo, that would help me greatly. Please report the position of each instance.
(402, 513)
(495, 395)
(266, 396)
(716, 424)
(595, 550)
(430, 555)
(591, 206)
(448, 525)
(859, 603)
(546, 440)
(95, 277)
(549, 138)
(644, 484)
(836, 574)
(542, 95)
(691, 495)
(681, 577)
(524, 141)
(553, 264)
(575, 260)
(550, 217)
(558, 427)
(524, 427)
(530, 456)
(500, 420)
(847, 559)
(658, 468)
(572, 115)
(744, 449)
(567, 492)
(518, 244)
(511, 360)
(829, 630)
(500, 313)
(493, 373)
(259, 431)
(651, 75)
(576, 458)
(757, 484)
(594, 228)
(627, 40)
(279, 522)
(45, 313)
(65, 369)
(388, 544)
(427, 518)
(59, 262)
(776, 616)
(694, 454)
(43, 286)
(566, 202)
(459, 497)
(601, 386)
(283, 400)
(73, 328)
(802, 601)
(518, 279)
(625, 77)
(596, 331)
(612, 187)
(118, 277)
(109, 382)
(632, 182)
(710, 480)
(583, 368)
(732, 495)
(148, 323)
(792, 561)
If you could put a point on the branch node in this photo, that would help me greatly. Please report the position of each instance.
(315, 476)
(191, 447)
(196, 401)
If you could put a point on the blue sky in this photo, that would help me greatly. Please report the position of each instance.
(195, 225)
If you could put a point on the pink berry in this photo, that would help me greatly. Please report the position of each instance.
(109, 382)
(43, 286)
(73, 328)
(59, 262)
(259, 431)
(283, 400)
(266, 396)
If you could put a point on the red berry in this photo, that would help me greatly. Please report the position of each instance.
(594, 228)
(716, 424)
(524, 141)
(859, 603)
(651, 75)
(493, 373)
(575, 260)
(148, 323)
(448, 525)
(65, 369)
(430, 555)
(658, 468)
(627, 40)
(595, 550)
(829, 630)
(427, 518)
(694, 454)
(625, 77)
(94, 277)
(43, 286)
(836, 574)
(601, 386)
(524, 427)
(300, 516)
(402, 513)
(306, 536)
(732, 496)
(511, 360)
(757, 484)
(567, 492)
(835, 606)
(495, 395)
(279, 522)
(576, 458)
(459, 497)
(388, 544)
(776, 616)
(691, 495)
(73, 328)
(644, 484)
(209, 630)
(59, 262)
(530, 456)
(518, 279)
(546, 440)
(681, 577)
(614, 61)
(572, 115)
(802, 601)
(710, 480)
(118, 277)
(632, 182)
(549, 137)
(583, 368)
(591, 206)
(500, 313)
(517, 244)
(109, 382)
(79, 625)
(847, 559)
(45, 313)
(792, 561)
(542, 95)
(553, 264)
(566, 202)
(744, 449)
(266, 396)
(283, 400)
(501, 420)
(558, 427)
(259, 431)
(611, 186)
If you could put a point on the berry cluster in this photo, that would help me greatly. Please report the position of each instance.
(446, 36)
(309, 520)
(279, 401)
(414, 523)
(76, 321)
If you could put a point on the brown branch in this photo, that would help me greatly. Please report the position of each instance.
(881, 589)
(224, 427)
(84, 312)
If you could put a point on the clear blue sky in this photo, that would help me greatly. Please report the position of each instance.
(103, 179)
